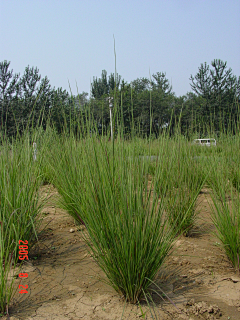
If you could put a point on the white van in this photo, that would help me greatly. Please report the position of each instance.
(205, 142)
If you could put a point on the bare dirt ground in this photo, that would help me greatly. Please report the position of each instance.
(64, 281)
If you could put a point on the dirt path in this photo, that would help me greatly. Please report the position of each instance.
(64, 280)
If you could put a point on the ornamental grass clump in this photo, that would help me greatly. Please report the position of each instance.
(225, 187)
(185, 182)
(7, 264)
(232, 156)
(219, 174)
(66, 164)
(226, 217)
(180, 206)
(19, 207)
(127, 233)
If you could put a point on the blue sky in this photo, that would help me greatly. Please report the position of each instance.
(72, 40)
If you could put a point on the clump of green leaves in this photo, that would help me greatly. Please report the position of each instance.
(184, 185)
(180, 205)
(225, 184)
(19, 207)
(226, 217)
(108, 190)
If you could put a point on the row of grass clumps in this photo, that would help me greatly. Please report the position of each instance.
(19, 208)
(133, 205)
(134, 199)
(132, 221)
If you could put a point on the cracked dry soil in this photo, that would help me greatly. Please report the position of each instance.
(64, 281)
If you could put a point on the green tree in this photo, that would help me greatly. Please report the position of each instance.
(189, 110)
(220, 89)
(104, 86)
(81, 100)
(59, 108)
(34, 105)
(153, 102)
(9, 94)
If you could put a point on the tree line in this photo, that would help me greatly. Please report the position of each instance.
(148, 104)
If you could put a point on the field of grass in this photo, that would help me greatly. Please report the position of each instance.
(135, 198)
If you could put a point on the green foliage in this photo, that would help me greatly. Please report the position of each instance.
(223, 179)
(19, 207)
(9, 93)
(133, 196)
(149, 105)
(220, 90)
(103, 86)
(102, 186)
(156, 93)
(184, 185)
(30, 101)
(226, 217)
